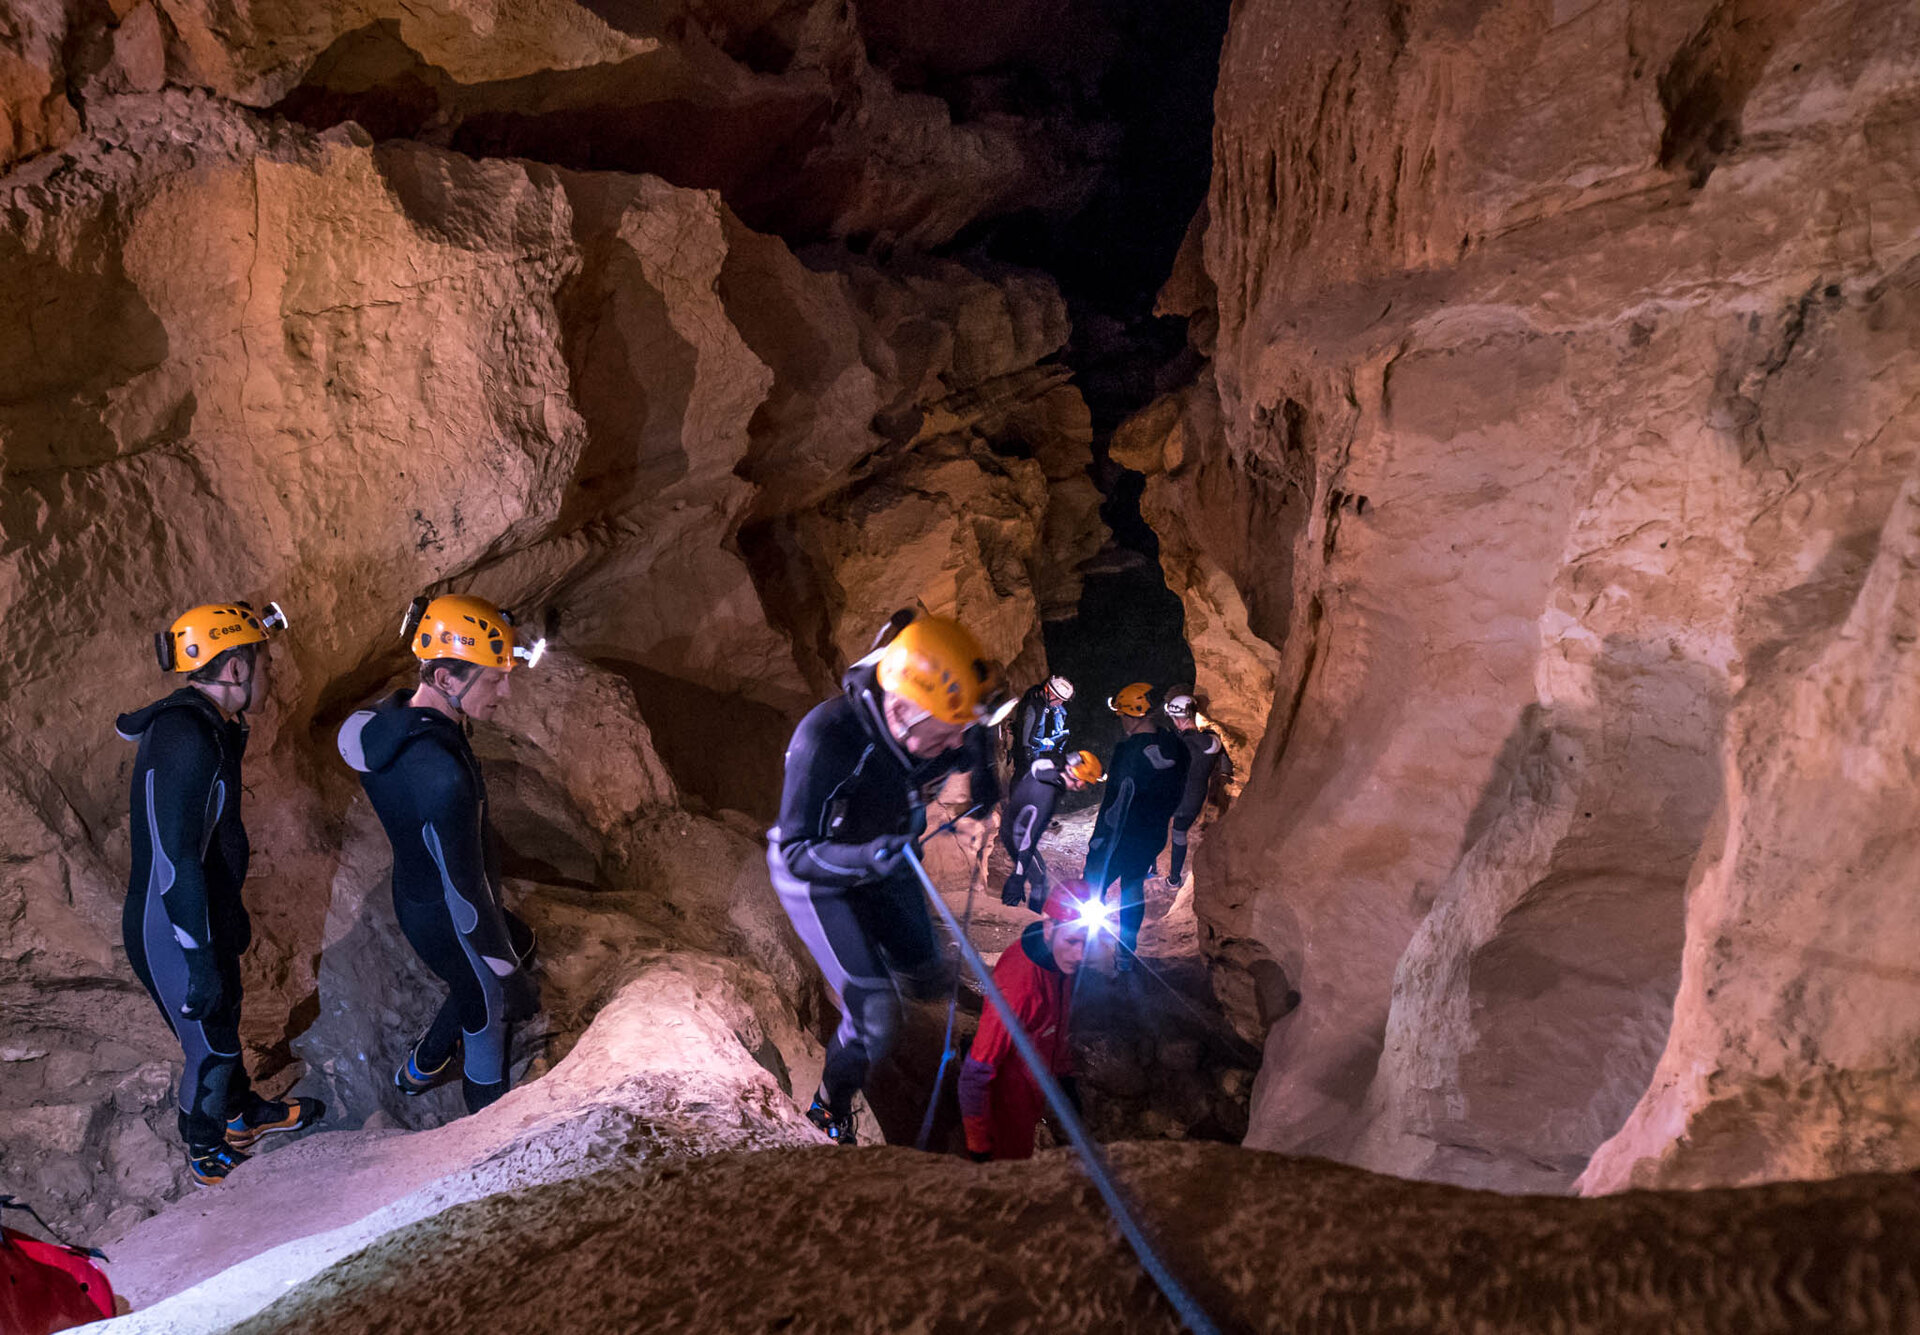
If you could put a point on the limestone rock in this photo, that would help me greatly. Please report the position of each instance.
(672, 1066)
(1575, 426)
(308, 368)
(1266, 1243)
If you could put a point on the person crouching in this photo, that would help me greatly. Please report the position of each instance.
(1000, 1102)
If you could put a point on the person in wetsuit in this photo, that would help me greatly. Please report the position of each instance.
(1000, 1102)
(1145, 781)
(413, 759)
(184, 923)
(859, 771)
(1207, 757)
(1028, 813)
(1040, 722)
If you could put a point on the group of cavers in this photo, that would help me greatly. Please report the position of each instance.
(924, 705)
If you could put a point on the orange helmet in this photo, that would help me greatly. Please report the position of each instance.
(200, 635)
(936, 664)
(1086, 767)
(1132, 701)
(473, 630)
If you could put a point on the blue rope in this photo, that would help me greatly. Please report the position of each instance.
(953, 1005)
(1184, 1304)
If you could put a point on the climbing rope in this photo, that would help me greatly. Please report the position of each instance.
(953, 1007)
(1184, 1305)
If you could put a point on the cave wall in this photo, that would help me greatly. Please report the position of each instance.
(245, 358)
(1556, 448)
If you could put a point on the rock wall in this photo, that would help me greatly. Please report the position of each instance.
(778, 105)
(245, 359)
(1555, 457)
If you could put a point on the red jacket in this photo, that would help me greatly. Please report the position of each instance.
(999, 1102)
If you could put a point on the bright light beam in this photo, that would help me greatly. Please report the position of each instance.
(1094, 915)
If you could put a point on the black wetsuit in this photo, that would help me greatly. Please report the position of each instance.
(426, 787)
(1039, 728)
(184, 923)
(1029, 811)
(1145, 782)
(852, 798)
(1206, 755)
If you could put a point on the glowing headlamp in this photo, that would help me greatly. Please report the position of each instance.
(531, 657)
(1094, 915)
(274, 619)
(998, 712)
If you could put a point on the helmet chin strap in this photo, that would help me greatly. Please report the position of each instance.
(244, 685)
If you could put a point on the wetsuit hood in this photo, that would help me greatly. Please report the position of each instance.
(132, 726)
(1034, 942)
(372, 739)
(862, 684)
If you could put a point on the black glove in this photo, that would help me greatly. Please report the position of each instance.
(204, 988)
(884, 854)
(1071, 1088)
(522, 996)
(1012, 892)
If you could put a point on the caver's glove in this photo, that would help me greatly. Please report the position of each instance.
(884, 854)
(205, 991)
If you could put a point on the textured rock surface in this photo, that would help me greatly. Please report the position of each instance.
(245, 360)
(1571, 356)
(1266, 1242)
(668, 1069)
(779, 105)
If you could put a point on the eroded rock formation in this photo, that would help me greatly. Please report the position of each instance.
(1559, 434)
(252, 360)
(1266, 1243)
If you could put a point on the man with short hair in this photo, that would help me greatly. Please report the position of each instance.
(1145, 782)
(1207, 759)
(1030, 810)
(917, 709)
(184, 922)
(412, 755)
(1000, 1102)
(1040, 723)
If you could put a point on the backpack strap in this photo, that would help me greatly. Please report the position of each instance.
(15, 1203)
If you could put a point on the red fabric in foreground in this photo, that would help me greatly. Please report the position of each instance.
(44, 1287)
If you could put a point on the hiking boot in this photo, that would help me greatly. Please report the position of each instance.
(210, 1167)
(413, 1082)
(838, 1130)
(271, 1116)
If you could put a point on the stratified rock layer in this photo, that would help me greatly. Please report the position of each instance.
(1567, 381)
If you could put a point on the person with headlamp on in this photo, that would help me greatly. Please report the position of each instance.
(1145, 782)
(425, 784)
(1000, 1102)
(921, 707)
(184, 922)
(1030, 810)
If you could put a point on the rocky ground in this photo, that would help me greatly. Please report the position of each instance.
(889, 1240)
